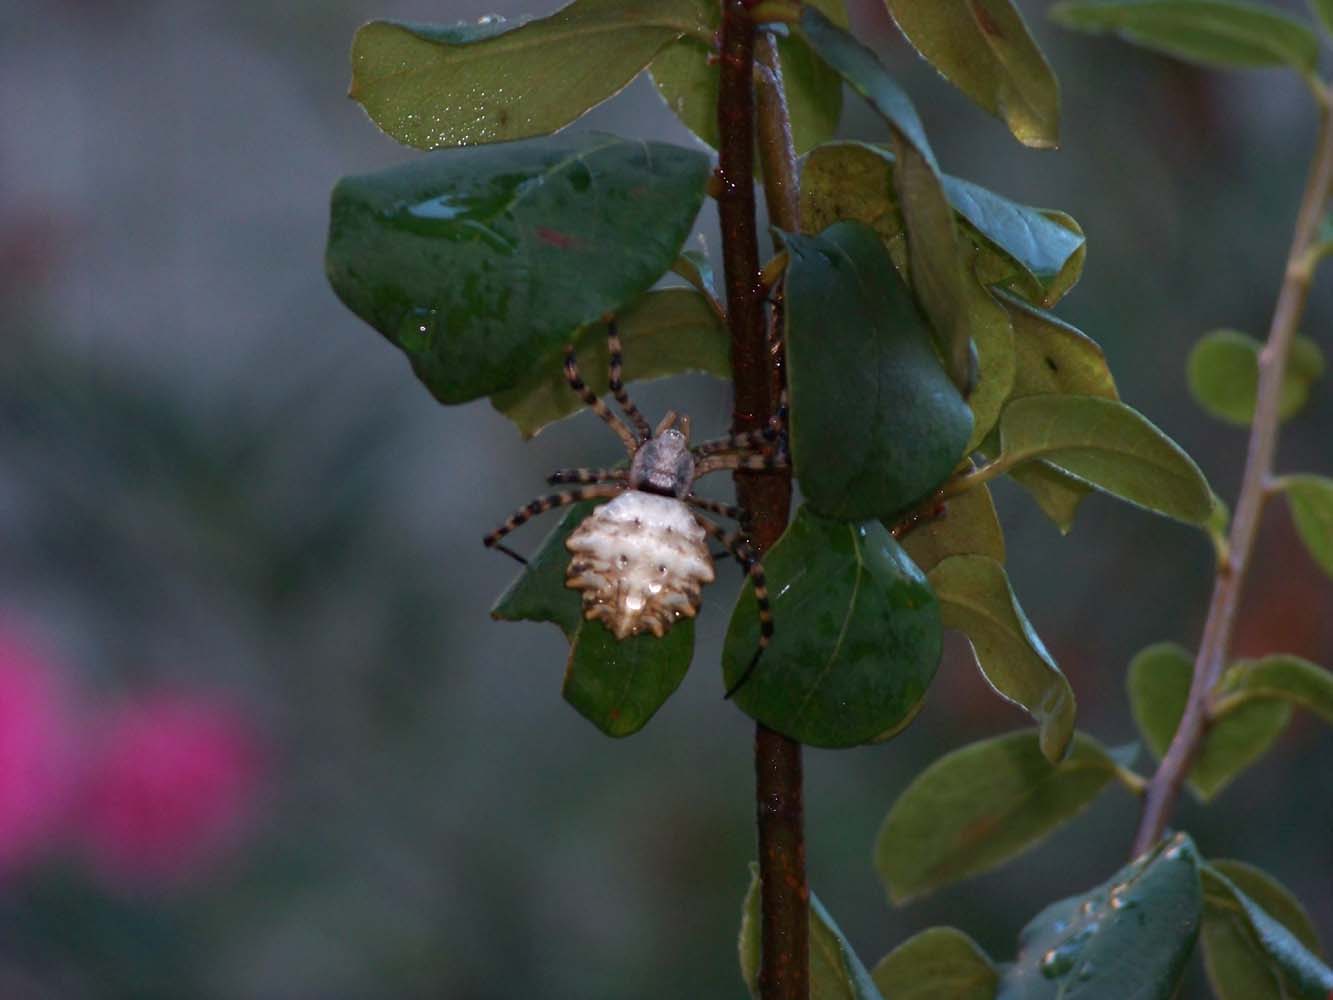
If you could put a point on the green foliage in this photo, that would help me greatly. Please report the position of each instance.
(1159, 682)
(688, 79)
(968, 525)
(1222, 33)
(984, 49)
(835, 971)
(460, 85)
(1223, 373)
(1129, 937)
(979, 806)
(665, 332)
(536, 239)
(938, 964)
(1324, 11)
(1054, 358)
(1109, 446)
(875, 423)
(1285, 678)
(1311, 501)
(1253, 945)
(856, 639)
(976, 599)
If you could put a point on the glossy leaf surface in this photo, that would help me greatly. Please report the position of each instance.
(967, 526)
(1222, 33)
(984, 49)
(1311, 501)
(494, 81)
(1284, 678)
(856, 638)
(835, 971)
(665, 332)
(478, 264)
(979, 806)
(1129, 937)
(875, 422)
(1248, 948)
(1159, 681)
(1109, 446)
(940, 963)
(687, 79)
(1223, 374)
(1239, 967)
(976, 599)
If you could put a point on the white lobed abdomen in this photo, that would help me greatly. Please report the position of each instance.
(639, 562)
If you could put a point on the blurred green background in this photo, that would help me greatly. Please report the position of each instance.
(213, 477)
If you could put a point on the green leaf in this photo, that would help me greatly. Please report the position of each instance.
(1110, 447)
(1223, 374)
(697, 269)
(1220, 33)
(976, 599)
(1057, 493)
(1073, 268)
(1269, 894)
(997, 363)
(1053, 357)
(940, 963)
(664, 333)
(835, 971)
(1283, 678)
(968, 525)
(856, 634)
(1039, 245)
(466, 84)
(1324, 11)
(984, 49)
(1311, 501)
(687, 78)
(1129, 937)
(538, 593)
(875, 423)
(1159, 682)
(1250, 952)
(982, 805)
(478, 264)
(950, 299)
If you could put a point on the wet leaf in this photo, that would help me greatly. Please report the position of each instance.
(688, 81)
(1311, 501)
(1159, 682)
(478, 264)
(977, 807)
(1253, 952)
(967, 525)
(835, 971)
(1110, 447)
(1223, 373)
(495, 81)
(1129, 937)
(984, 49)
(875, 423)
(1054, 357)
(940, 963)
(976, 599)
(1282, 678)
(1222, 33)
(666, 332)
(856, 636)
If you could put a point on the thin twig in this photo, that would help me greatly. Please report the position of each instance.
(1214, 647)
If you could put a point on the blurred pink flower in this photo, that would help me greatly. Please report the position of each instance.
(172, 786)
(37, 757)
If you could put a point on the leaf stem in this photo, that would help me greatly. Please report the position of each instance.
(784, 970)
(1214, 647)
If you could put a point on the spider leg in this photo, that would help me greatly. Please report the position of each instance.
(590, 399)
(716, 507)
(753, 461)
(587, 476)
(540, 506)
(750, 564)
(762, 439)
(618, 386)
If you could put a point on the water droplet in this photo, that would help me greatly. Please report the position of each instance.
(634, 602)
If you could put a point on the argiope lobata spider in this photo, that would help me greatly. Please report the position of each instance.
(640, 560)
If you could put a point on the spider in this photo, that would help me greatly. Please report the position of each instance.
(640, 560)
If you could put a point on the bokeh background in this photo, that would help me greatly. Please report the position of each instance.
(262, 739)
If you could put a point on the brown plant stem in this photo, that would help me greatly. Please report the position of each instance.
(784, 972)
(1214, 648)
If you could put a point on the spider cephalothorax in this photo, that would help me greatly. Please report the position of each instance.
(640, 561)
